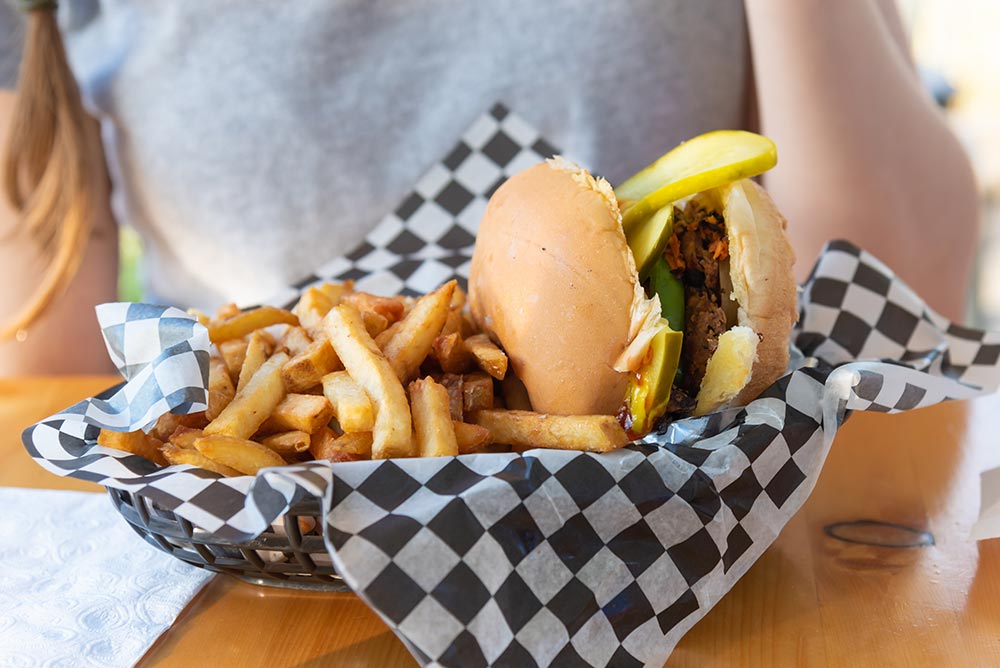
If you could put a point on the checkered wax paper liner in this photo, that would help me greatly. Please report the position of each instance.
(549, 558)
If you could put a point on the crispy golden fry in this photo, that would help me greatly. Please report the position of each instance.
(351, 406)
(258, 350)
(294, 341)
(184, 437)
(245, 322)
(299, 412)
(452, 324)
(375, 324)
(390, 308)
(458, 299)
(347, 448)
(432, 426)
(392, 432)
(169, 423)
(200, 316)
(288, 443)
(337, 291)
(310, 309)
(226, 311)
(245, 456)
(177, 455)
(452, 354)
(135, 442)
(524, 430)
(515, 395)
(220, 388)
(490, 359)
(251, 406)
(383, 339)
(468, 327)
(234, 353)
(454, 383)
(477, 392)
(415, 338)
(471, 437)
(307, 369)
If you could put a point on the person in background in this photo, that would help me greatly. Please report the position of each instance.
(249, 142)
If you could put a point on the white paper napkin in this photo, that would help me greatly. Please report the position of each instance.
(77, 586)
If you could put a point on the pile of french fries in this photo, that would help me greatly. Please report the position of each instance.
(345, 376)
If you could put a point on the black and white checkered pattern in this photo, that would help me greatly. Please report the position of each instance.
(549, 558)
(428, 239)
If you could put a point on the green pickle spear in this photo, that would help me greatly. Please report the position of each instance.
(648, 239)
(649, 391)
(671, 291)
(707, 161)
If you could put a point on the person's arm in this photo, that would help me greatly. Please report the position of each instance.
(66, 339)
(863, 154)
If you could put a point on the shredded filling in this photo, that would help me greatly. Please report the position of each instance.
(694, 253)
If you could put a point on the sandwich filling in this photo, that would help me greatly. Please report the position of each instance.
(695, 254)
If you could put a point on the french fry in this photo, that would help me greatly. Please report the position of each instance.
(347, 448)
(454, 383)
(415, 338)
(184, 437)
(382, 340)
(288, 443)
(307, 369)
(245, 322)
(458, 299)
(200, 316)
(453, 324)
(234, 353)
(375, 324)
(336, 291)
(294, 341)
(245, 456)
(299, 412)
(169, 423)
(251, 406)
(135, 442)
(523, 430)
(477, 392)
(220, 388)
(468, 328)
(257, 353)
(372, 371)
(452, 354)
(390, 308)
(515, 394)
(471, 438)
(226, 311)
(310, 309)
(432, 426)
(351, 406)
(177, 455)
(490, 359)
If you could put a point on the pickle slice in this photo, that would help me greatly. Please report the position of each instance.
(649, 392)
(707, 161)
(648, 239)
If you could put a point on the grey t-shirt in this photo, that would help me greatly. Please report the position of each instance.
(250, 141)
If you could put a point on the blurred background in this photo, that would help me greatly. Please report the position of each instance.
(955, 45)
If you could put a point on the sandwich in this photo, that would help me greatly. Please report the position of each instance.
(668, 297)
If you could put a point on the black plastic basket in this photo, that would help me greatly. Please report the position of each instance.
(283, 556)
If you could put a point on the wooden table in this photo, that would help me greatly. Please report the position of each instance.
(811, 600)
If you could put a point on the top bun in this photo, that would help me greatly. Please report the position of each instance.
(553, 281)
